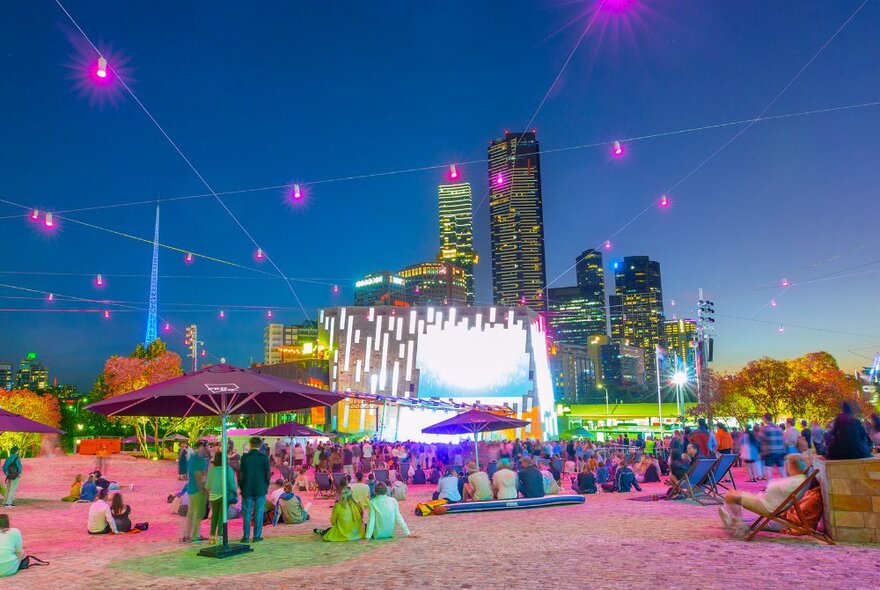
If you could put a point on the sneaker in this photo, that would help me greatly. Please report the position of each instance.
(257, 539)
(742, 531)
(725, 518)
(243, 540)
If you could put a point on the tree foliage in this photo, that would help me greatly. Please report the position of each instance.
(37, 407)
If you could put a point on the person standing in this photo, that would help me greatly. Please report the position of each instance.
(253, 479)
(12, 469)
(214, 485)
(182, 458)
(196, 467)
(723, 439)
(772, 447)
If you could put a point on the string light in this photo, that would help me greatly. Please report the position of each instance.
(781, 328)
(106, 314)
(260, 254)
(99, 280)
(167, 327)
(297, 193)
(664, 201)
(617, 150)
(453, 172)
(188, 258)
(222, 314)
(672, 302)
(269, 313)
(102, 68)
(772, 303)
(51, 297)
(35, 215)
(499, 180)
(336, 288)
(607, 244)
(785, 282)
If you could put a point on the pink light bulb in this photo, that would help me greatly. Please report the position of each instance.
(106, 314)
(664, 201)
(51, 297)
(269, 314)
(297, 193)
(618, 149)
(453, 173)
(499, 180)
(222, 314)
(781, 328)
(772, 303)
(204, 353)
(607, 244)
(672, 302)
(167, 327)
(785, 282)
(35, 214)
(260, 254)
(188, 258)
(99, 280)
(336, 288)
(102, 68)
(50, 221)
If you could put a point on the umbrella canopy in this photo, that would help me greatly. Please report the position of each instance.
(214, 391)
(10, 422)
(175, 438)
(133, 440)
(581, 433)
(290, 430)
(474, 421)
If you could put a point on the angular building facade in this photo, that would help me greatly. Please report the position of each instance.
(282, 343)
(473, 355)
(32, 374)
(681, 345)
(457, 231)
(380, 288)
(435, 283)
(574, 376)
(578, 313)
(516, 221)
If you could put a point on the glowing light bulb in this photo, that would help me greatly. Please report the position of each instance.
(260, 254)
(50, 221)
(269, 314)
(99, 280)
(51, 297)
(785, 282)
(453, 173)
(499, 180)
(297, 193)
(336, 288)
(106, 314)
(167, 327)
(618, 149)
(607, 244)
(188, 258)
(102, 68)
(204, 353)
(664, 201)
(772, 303)
(222, 314)
(35, 214)
(672, 302)
(781, 328)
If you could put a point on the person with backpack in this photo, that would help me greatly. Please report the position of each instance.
(12, 470)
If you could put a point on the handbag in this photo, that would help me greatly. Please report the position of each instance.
(31, 561)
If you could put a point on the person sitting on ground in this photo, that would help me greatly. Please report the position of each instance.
(551, 485)
(398, 490)
(504, 481)
(531, 482)
(651, 473)
(346, 520)
(447, 487)
(624, 480)
(101, 481)
(89, 491)
(301, 483)
(101, 521)
(477, 488)
(586, 481)
(289, 508)
(777, 490)
(75, 489)
(602, 473)
(847, 437)
(419, 477)
(360, 491)
(277, 490)
(122, 515)
(11, 551)
(384, 515)
(371, 483)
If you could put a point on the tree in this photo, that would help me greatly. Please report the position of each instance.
(766, 384)
(723, 395)
(818, 387)
(40, 408)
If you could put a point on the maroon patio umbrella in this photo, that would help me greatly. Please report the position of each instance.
(217, 390)
(290, 430)
(474, 422)
(131, 440)
(10, 422)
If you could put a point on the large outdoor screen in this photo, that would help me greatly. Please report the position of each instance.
(455, 361)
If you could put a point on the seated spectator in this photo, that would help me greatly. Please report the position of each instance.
(398, 491)
(101, 481)
(274, 494)
(694, 453)
(651, 473)
(89, 491)
(434, 476)
(371, 483)
(289, 508)
(384, 515)
(346, 520)
(586, 481)
(531, 482)
(101, 521)
(602, 474)
(847, 437)
(624, 480)
(11, 551)
(777, 490)
(551, 486)
(419, 477)
(301, 483)
(122, 515)
(75, 489)
(504, 481)
(477, 487)
(361, 492)
(447, 487)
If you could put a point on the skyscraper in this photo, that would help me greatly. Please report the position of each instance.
(457, 230)
(577, 313)
(380, 288)
(636, 309)
(435, 283)
(681, 342)
(516, 221)
(32, 374)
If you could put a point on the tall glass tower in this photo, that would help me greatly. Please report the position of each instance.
(636, 309)
(516, 221)
(457, 230)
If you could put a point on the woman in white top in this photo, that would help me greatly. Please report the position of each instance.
(11, 552)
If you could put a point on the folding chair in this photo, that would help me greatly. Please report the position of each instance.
(381, 475)
(324, 487)
(339, 479)
(697, 481)
(491, 468)
(778, 515)
(286, 473)
(721, 470)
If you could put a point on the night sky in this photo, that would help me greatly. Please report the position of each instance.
(273, 93)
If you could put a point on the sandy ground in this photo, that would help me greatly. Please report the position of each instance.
(611, 541)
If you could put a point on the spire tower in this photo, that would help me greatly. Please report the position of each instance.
(154, 288)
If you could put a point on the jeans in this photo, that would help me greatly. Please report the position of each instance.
(194, 515)
(253, 506)
(216, 517)
(11, 486)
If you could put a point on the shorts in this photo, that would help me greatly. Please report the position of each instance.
(774, 460)
(753, 503)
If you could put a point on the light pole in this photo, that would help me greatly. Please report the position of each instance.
(679, 378)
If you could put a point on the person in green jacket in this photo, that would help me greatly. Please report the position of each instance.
(12, 470)
(214, 486)
(346, 520)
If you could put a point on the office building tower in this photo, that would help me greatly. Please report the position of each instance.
(7, 376)
(435, 283)
(380, 288)
(573, 374)
(282, 343)
(636, 309)
(32, 374)
(681, 345)
(516, 221)
(457, 231)
(578, 313)
(623, 365)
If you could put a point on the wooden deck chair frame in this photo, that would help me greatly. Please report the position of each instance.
(720, 470)
(793, 500)
(323, 486)
(699, 480)
(381, 475)
(338, 478)
(676, 488)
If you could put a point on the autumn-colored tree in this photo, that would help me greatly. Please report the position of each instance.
(722, 396)
(765, 383)
(40, 408)
(818, 387)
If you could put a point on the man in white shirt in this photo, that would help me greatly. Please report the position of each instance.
(777, 491)
(277, 492)
(384, 515)
(504, 481)
(477, 487)
(101, 519)
(360, 492)
(367, 451)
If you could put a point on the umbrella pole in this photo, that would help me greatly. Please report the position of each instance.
(477, 448)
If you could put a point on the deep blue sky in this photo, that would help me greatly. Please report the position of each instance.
(264, 95)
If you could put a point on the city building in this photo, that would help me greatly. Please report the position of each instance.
(380, 288)
(590, 271)
(573, 375)
(435, 283)
(470, 355)
(7, 376)
(457, 231)
(516, 221)
(681, 345)
(32, 374)
(282, 343)
(623, 365)
(578, 313)
(636, 309)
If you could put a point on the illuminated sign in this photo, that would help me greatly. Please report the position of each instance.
(377, 280)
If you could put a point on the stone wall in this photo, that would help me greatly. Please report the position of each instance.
(851, 498)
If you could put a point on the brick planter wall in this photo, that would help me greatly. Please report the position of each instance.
(851, 498)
